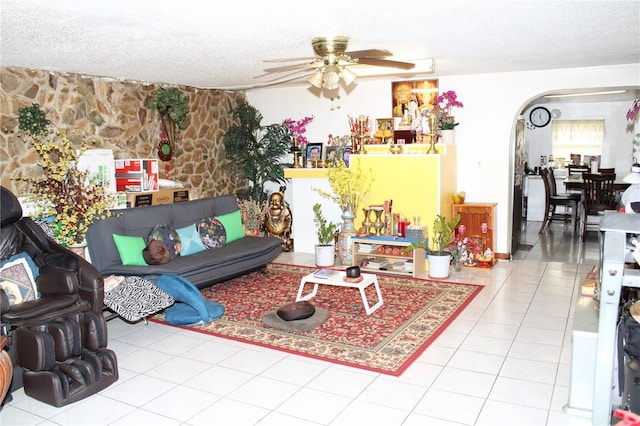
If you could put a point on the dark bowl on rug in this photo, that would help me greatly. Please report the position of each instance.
(296, 311)
(318, 318)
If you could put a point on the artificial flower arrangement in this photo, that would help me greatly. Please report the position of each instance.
(349, 185)
(253, 214)
(444, 104)
(340, 144)
(297, 130)
(67, 194)
(464, 250)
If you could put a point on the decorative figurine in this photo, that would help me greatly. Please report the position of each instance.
(278, 221)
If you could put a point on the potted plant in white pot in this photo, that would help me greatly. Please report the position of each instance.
(439, 256)
(327, 232)
(444, 104)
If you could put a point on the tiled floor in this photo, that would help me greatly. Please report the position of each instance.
(503, 361)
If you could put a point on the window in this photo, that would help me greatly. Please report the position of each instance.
(584, 137)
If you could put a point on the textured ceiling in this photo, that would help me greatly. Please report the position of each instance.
(210, 44)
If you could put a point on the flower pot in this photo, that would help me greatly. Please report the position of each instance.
(325, 255)
(439, 265)
(448, 137)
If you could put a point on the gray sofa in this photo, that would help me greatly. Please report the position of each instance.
(204, 268)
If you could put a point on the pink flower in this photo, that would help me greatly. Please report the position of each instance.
(297, 128)
(632, 114)
(446, 101)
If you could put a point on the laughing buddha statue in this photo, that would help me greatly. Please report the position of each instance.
(278, 221)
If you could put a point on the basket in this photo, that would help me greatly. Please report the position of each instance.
(458, 197)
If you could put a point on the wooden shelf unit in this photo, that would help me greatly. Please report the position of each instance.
(417, 256)
(473, 215)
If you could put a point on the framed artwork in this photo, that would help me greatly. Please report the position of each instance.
(412, 95)
(346, 155)
(314, 151)
(331, 153)
(383, 124)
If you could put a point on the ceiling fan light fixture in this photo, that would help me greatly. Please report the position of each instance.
(331, 77)
(347, 75)
(316, 78)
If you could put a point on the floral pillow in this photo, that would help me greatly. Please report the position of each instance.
(211, 232)
(168, 235)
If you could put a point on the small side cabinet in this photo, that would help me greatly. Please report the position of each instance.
(473, 215)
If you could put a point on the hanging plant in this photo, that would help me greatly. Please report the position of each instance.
(172, 105)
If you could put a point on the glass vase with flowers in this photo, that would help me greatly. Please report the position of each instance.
(71, 196)
(349, 186)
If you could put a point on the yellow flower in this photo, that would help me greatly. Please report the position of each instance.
(349, 185)
(65, 192)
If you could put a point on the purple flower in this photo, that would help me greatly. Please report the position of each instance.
(297, 128)
(632, 114)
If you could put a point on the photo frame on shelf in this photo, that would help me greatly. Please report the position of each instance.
(314, 151)
(331, 154)
(411, 95)
(346, 154)
(384, 124)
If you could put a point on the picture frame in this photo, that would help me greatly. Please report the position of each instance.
(314, 151)
(411, 95)
(346, 155)
(384, 124)
(331, 154)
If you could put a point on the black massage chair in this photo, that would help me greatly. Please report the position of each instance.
(58, 342)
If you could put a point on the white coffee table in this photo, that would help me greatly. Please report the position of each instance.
(337, 280)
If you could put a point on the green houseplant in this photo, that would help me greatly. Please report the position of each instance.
(254, 151)
(326, 232)
(172, 105)
(443, 236)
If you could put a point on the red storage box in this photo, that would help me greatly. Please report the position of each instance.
(136, 175)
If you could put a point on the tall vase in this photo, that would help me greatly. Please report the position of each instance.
(79, 248)
(348, 230)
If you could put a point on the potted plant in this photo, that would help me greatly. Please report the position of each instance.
(444, 104)
(349, 186)
(172, 105)
(70, 196)
(439, 256)
(255, 152)
(327, 232)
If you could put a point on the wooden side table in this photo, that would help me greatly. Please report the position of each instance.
(473, 215)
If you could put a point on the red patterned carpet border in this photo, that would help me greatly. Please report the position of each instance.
(414, 313)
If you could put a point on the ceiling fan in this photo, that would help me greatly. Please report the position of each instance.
(331, 63)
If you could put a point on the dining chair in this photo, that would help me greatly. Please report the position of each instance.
(598, 196)
(577, 170)
(553, 200)
(607, 171)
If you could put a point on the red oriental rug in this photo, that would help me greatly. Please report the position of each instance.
(414, 313)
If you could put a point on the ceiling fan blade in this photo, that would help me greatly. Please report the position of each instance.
(285, 77)
(369, 53)
(284, 68)
(386, 63)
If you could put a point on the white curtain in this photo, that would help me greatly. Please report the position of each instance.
(583, 137)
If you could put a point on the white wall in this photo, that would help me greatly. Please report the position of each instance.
(492, 104)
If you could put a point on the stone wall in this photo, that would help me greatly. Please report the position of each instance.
(114, 114)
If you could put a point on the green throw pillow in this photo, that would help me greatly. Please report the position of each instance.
(130, 249)
(190, 241)
(232, 223)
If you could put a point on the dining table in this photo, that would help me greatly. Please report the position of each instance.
(572, 183)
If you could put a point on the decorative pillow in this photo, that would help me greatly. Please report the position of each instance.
(32, 266)
(130, 249)
(168, 235)
(190, 242)
(17, 281)
(211, 232)
(232, 223)
(135, 298)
